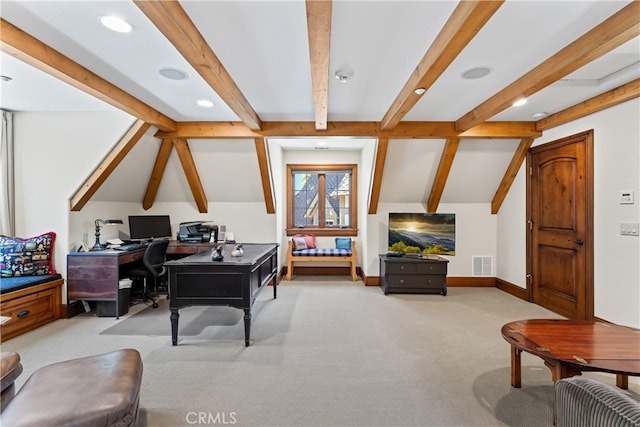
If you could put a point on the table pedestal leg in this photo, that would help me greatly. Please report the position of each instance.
(516, 372)
(247, 326)
(174, 325)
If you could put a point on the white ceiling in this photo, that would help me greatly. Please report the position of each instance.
(263, 45)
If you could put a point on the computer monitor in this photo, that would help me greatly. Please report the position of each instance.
(144, 227)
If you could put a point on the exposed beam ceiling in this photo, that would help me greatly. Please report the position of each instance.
(465, 22)
(162, 158)
(171, 19)
(444, 167)
(378, 171)
(28, 49)
(618, 29)
(404, 130)
(608, 99)
(108, 165)
(319, 34)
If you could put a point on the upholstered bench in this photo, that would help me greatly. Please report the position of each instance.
(345, 250)
(102, 390)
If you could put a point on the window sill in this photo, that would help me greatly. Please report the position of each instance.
(323, 231)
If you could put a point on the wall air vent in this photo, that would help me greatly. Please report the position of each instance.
(482, 265)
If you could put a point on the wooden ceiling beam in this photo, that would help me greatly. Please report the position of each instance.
(157, 173)
(615, 31)
(191, 173)
(32, 51)
(263, 165)
(319, 35)
(378, 171)
(108, 165)
(465, 22)
(172, 21)
(442, 174)
(597, 103)
(404, 130)
(510, 174)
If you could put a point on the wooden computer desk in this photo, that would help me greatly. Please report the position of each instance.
(95, 276)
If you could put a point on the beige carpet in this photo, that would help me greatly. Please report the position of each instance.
(327, 352)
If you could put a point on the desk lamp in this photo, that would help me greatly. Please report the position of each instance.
(99, 222)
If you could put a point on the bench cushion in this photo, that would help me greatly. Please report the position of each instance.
(9, 284)
(322, 252)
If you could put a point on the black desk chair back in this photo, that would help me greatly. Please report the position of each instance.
(153, 260)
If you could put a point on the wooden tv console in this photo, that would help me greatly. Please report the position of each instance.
(413, 275)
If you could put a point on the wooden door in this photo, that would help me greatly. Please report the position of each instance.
(560, 215)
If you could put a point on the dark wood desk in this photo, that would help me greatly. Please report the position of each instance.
(569, 347)
(95, 276)
(235, 281)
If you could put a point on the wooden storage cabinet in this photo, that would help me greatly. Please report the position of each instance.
(413, 275)
(30, 308)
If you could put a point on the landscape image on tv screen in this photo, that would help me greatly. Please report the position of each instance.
(422, 233)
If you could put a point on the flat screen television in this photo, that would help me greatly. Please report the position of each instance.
(145, 227)
(422, 233)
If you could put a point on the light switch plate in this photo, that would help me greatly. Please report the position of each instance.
(629, 229)
(626, 197)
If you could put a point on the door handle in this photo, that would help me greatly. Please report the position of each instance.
(577, 242)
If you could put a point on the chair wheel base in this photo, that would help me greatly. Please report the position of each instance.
(155, 305)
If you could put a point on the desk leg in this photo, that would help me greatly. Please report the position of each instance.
(516, 372)
(247, 326)
(275, 286)
(174, 325)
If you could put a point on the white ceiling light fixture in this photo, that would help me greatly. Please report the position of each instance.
(173, 73)
(520, 102)
(344, 75)
(539, 115)
(419, 91)
(204, 103)
(116, 24)
(476, 73)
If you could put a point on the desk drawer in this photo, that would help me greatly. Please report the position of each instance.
(401, 268)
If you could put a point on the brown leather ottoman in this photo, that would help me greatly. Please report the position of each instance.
(102, 390)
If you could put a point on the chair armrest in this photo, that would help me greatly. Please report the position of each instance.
(10, 370)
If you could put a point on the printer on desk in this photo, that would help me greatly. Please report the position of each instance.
(197, 231)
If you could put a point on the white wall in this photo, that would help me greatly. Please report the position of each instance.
(475, 234)
(616, 164)
(54, 154)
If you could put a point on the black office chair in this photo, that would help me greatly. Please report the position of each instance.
(153, 260)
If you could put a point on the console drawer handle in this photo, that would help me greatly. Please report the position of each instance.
(23, 313)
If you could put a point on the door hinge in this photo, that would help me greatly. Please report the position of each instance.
(531, 170)
(530, 278)
(530, 224)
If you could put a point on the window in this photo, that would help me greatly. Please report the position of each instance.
(321, 199)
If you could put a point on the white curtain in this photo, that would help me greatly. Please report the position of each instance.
(7, 199)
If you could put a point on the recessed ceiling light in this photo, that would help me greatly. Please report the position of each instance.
(539, 115)
(6, 78)
(173, 73)
(520, 102)
(205, 103)
(116, 24)
(476, 73)
(419, 91)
